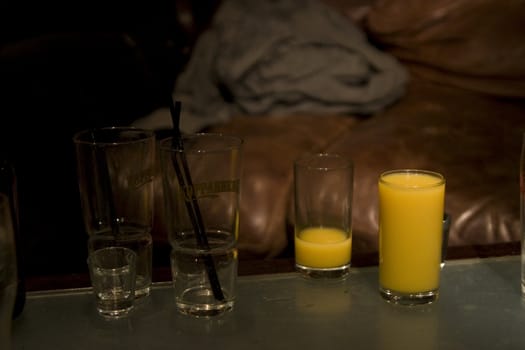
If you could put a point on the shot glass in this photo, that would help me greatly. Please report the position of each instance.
(116, 167)
(202, 189)
(411, 209)
(112, 272)
(323, 191)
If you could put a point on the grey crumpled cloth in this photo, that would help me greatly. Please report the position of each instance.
(277, 57)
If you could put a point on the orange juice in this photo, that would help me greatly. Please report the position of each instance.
(411, 205)
(323, 247)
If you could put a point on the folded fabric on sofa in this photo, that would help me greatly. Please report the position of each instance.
(284, 57)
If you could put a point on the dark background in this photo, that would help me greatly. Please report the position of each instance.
(67, 66)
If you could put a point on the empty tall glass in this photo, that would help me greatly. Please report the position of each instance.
(116, 167)
(202, 193)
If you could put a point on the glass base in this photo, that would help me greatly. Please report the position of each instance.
(203, 310)
(323, 273)
(142, 292)
(419, 298)
(200, 302)
(114, 314)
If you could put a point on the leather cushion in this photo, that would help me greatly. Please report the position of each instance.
(477, 45)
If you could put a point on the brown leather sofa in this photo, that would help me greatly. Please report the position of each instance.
(463, 115)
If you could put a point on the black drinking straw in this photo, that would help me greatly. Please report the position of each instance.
(192, 206)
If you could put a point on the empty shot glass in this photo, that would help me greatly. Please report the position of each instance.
(112, 271)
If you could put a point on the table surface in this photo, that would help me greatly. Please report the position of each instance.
(480, 307)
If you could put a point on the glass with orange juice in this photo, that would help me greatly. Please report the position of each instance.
(411, 205)
(323, 186)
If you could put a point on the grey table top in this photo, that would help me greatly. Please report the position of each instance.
(479, 307)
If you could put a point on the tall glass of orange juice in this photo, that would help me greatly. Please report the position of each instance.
(323, 186)
(411, 205)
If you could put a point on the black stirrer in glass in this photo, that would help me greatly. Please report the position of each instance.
(192, 205)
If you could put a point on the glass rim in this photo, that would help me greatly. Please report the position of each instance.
(415, 172)
(80, 136)
(323, 161)
(129, 254)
